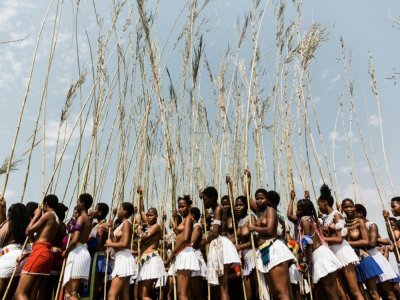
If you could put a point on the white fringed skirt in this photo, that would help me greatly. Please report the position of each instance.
(78, 264)
(203, 266)
(248, 262)
(278, 253)
(187, 260)
(384, 264)
(324, 263)
(345, 254)
(151, 267)
(124, 265)
(221, 252)
(8, 261)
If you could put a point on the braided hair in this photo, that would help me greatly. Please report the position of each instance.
(18, 217)
(308, 210)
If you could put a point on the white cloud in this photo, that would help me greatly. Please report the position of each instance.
(373, 120)
(325, 73)
(345, 169)
(52, 131)
(337, 136)
(336, 78)
(9, 194)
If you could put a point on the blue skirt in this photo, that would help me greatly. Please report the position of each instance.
(395, 280)
(367, 268)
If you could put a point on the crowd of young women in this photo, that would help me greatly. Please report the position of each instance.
(239, 247)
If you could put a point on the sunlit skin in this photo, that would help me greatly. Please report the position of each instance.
(266, 226)
(120, 285)
(149, 243)
(327, 285)
(45, 225)
(384, 288)
(358, 238)
(334, 236)
(183, 237)
(196, 284)
(219, 214)
(229, 230)
(395, 206)
(243, 235)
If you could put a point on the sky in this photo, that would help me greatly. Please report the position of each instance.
(368, 28)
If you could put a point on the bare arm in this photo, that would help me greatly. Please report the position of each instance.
(337, 238)
(141, 204)
(373, 236)
(187, 234)
(364, 241)
(290, 215)
(216, 228)
(270, 224)
(247, 190)
(196, 235)
(37, 222)
(75, 236)
(124, 242)
(152, 231)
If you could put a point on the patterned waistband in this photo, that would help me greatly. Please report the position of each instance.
(9, 248)
(267, 243)
(146, 257)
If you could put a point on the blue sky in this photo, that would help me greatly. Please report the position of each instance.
(366, 27)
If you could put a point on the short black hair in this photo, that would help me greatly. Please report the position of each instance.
(195, 212)
(361, 209)
(396, 199)
(225, 197)
(31, 207)
(60, 211)
(128, 207)
(262, 191)
(154, 210)
(51, 201)
(103, 207)
(347, 200)
(211, 192)
(243, 199)
(273, 197)
(86, 199)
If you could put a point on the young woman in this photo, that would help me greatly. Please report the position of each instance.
(222, 253)
(197, 282)
(245, 248)
(184, 255)
(367, 270)
(12, 236)
(335, 232)
(77, 267)
(275, 255)
(323, 263)
(151, 265)
(229, 231)
(384, 285)
(124, 264)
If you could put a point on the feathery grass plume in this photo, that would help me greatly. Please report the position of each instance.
(73, 88)
(196, 60)
(312, 39)
(13, 166)
(374, 87)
